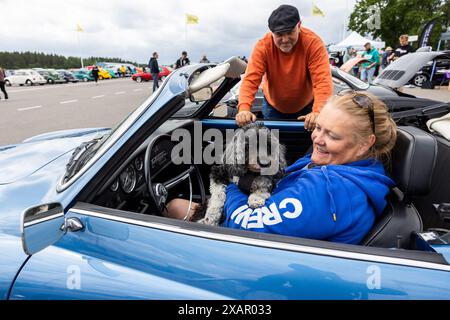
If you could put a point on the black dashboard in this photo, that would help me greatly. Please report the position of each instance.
(126, 188)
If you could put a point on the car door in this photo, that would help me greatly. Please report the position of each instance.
(123, 255)
(19, 77)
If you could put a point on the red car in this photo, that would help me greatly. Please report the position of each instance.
(146, 76)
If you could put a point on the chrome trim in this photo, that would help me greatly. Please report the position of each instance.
(270, 244)
(61, 186)
(37, 221)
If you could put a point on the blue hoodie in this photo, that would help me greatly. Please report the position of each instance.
(337, 203)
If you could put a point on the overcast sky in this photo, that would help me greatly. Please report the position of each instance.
(133, 29)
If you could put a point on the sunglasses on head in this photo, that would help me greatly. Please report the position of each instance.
(363, 101)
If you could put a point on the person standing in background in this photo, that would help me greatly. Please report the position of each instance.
(183, 61)
(2, 83)
(154, 70)
(385, 58)
(368, 67)
(347, 55)
(204, 59)
(95, 73)
(402, 49)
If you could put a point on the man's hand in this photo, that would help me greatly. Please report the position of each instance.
(245, 117)
(310, 120)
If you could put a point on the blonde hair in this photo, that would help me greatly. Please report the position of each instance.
(385, 127)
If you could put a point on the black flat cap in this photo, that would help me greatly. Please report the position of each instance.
(284, 18)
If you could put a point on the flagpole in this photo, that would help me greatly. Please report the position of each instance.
(79, 46)
(186, 34)
(79, 50)
(345, 19)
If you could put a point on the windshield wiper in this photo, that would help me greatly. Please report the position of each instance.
(82, 154)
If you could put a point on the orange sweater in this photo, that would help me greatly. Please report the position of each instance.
(291, 80)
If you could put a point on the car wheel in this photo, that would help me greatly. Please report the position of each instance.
(51, 81)
(85, 79)
(138, 79)
(100, 78)
(420, 79)
(29, 82)
(7, 83)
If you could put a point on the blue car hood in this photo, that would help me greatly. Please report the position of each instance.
(21, 160)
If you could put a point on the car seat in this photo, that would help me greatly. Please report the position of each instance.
(412, 163)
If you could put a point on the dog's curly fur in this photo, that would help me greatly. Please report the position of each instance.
(238, 162)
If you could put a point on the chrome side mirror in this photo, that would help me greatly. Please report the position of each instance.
(41, 226)
(201, 95)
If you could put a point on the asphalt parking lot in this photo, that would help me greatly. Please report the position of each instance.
(38, 109)
(439, 93)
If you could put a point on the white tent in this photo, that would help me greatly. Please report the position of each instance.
(356, 41)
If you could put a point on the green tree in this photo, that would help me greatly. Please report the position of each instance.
(17, 60)
(399, 17)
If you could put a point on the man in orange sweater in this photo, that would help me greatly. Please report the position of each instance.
(297, 77)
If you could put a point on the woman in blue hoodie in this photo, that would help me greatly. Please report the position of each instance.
(336, 192)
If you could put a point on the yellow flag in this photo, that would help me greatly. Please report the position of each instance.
(191, 19)
(317, 12)
(79, 28)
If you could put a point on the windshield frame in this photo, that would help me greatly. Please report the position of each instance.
(114, 135)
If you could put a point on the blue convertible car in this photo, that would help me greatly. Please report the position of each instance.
(80, 214)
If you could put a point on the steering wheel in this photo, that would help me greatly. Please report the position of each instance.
(157, 158)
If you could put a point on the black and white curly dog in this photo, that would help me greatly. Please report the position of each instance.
(254, 160)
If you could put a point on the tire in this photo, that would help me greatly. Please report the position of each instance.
(138, 79)
(51, 81)
(29, 82)
(7, 83)
(419, 79)
(85, 79)
(100, 78)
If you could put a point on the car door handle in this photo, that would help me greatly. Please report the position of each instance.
(72, 225)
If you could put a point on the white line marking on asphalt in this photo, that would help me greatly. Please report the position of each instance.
(68, 101)
(29, 108)
(120, 92)
(136, 90)
(96, 97)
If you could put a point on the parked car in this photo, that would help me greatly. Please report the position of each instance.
(111, 72)
(147, 76)
(24, 77)
(50, 75)
(441, 75)
(83, 75)
(85, 207)
(103, 74)
(67, 75)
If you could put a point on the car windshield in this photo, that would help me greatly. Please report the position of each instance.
(353, 80)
